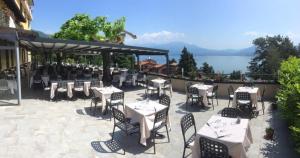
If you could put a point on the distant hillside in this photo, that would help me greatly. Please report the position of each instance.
(176, 48)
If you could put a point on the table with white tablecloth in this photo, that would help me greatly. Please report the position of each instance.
(254, 93)
(236, 136)
(122, 78)
(158, 83)
(144, 113)
(203, 90)
(12, 85)
(54, 86)
(105, 93)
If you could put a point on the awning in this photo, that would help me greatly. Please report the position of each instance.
(31, 41)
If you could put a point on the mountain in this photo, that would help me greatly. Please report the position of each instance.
(175, 48)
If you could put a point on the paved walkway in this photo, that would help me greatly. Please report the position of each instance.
(40, 128)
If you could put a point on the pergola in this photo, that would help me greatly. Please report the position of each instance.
(32, 42)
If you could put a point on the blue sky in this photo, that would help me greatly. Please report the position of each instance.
(215, 24)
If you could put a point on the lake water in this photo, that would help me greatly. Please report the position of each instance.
(225, 64)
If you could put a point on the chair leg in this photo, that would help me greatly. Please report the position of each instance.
(263, 107)
(95, 108)
(183, 155)
(168, 133)
(112, 137)
(228, 102)
(154, 142)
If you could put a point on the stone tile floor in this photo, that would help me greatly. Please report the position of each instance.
(42, 128)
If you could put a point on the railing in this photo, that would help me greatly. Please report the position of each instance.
(227, 78)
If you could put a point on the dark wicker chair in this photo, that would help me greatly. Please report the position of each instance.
(187, 86)
(248, 84)
(151, 88)
(244, 104)
(61, 88)
(212, 95)
(140, 79)
(78, 86)
(94, 99)
(193, 95)
(160, 121)
(208, 82)
(187, 122)
(212, 149)
(96, 83)
(230, 94)
(167, 87)
(165, 100)
(116, 99)
(230, 112)
(123, 123)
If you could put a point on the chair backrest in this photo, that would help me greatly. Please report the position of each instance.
(193, 90)
(208, 82)
(95, 83)
(150, 83)
(186, 122)
(230, 112)
(117, 96)
(248, 84)
(78, 83)
(212, 149)
(37, 77)
(165, 100)
(215, 88)
(230, 90)
(95, 93)
(62, 84)
(161, 116)
(118, 115)
(243, 96)
(187, 86)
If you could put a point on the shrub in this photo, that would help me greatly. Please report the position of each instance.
(289, 96)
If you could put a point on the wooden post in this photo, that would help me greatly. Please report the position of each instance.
(106, 67)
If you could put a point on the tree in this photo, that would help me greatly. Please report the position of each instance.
(289, 96)
(269, 53)
(82, 27)
(172, 61)
(187, 62)
(235, 75)
(207, 69)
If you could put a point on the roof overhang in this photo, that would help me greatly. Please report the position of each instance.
(32, 41)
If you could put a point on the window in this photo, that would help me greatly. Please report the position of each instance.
(4, 20)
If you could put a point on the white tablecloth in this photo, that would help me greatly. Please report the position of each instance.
(237, 137)
(254, 93)
(12, 85)
(143, 112)
(53, 87)
(158, 83)
(105, 93)
(123, 78)
(203, 89)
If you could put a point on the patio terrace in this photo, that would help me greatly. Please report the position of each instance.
(41, 128)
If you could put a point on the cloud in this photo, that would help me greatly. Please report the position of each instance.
(156, 37)
(251, 33)
(292, 35)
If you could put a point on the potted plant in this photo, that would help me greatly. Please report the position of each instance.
(269, 133)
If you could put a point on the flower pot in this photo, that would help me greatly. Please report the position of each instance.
(269, 134)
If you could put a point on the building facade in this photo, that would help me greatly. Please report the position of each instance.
(14, 14)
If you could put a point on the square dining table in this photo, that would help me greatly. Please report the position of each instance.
(144, 113)
(203, 90)
(105, 93)
(254, 93)
(236, 136)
